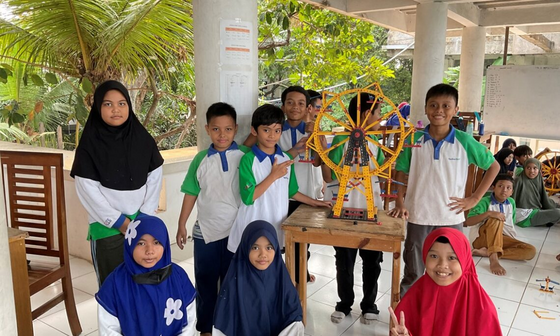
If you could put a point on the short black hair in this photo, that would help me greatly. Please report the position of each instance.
(296, 88)
(442, 90)
(502, 177)
(366, 100)
(442, 239)
(220, 109)
(522, 150)
(314, 95)
(267, 114)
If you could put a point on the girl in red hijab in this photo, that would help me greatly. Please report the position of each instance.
(447, 299)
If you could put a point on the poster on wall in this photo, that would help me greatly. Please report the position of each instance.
(236, 90)
(236, 42)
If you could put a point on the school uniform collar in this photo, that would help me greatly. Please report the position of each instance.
(212, 150)
(262, 155)
(300, 128)
(437, 144)
(494, 201)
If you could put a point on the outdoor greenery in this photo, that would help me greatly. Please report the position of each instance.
(54, 53)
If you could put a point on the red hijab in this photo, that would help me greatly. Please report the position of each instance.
(460, 309)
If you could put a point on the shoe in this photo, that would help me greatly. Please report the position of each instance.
(337, 317)
(369, 318)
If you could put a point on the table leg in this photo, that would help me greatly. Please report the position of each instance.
(290, 256)
(21, 287)
(302, 286)
(395, 283)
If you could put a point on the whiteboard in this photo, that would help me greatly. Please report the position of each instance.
(523, 100)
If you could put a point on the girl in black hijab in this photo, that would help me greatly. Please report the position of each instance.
(118, 173)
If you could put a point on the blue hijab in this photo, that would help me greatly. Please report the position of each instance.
(394, 119)
(147, 301)
(254, 302)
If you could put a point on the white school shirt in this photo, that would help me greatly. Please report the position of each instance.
(355, 198)
(213, 177)
(437, 172)
(272, 205)
(310, 178)
(489, 203)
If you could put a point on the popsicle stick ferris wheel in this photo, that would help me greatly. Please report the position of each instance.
(550, 167)
(355, 167)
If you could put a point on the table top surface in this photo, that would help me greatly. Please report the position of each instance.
(15, 233)
(317, 218)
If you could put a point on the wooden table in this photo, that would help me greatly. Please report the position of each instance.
(20, 280)
(311, 225)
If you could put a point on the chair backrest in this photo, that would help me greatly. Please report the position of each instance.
(389, 140)
(34, 202)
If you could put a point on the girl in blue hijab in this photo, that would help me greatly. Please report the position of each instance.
(258, 296)
(404, 111)
(147, 295)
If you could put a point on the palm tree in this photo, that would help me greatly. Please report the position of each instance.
(86, 42)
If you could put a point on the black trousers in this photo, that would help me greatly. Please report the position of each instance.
(345, 260)
(291, 208)
(107, 254)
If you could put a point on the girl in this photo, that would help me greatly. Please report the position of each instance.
(447, 299)
(504, 157)
(258, 296)
(534, 207)
(147, 294)
(118, 173)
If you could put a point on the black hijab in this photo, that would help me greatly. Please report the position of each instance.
(500, 157)
(119, 157)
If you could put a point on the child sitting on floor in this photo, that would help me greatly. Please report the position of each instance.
(448, 299)
(504, 157)
(496, 234)
(534, 207)
(147, 295)
(258, 296)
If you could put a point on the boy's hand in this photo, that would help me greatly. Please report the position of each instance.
(309, 127)
(300, 145)
(322, 204)
(399, 328)
(399, 211)
(498, 215)
(462, 204)
(181, 236)
(279, 170)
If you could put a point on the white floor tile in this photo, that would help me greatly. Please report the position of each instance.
(326, 250)
(548, 261)
(179, 255)
(189, 268)
(320, 282)
(316, 247)
(506, 310)
(319, 320)
(517, 332)
(554, 234)
(375, 329)
(505, 329)
(79, 267)
(87, 313)
(42, 329)
(502, 288)
(87, 283)
(322, 264)
(48, 293)
(535, 297)
(551, 247)
(538, 233)
(526, 320)
(95, 333)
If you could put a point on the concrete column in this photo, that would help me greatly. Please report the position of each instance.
(209, 69)
(472, 68)
(8, 324)
(429, 54)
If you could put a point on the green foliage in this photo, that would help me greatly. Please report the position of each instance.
(317, 48)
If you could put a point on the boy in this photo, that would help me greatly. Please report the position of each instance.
(212, 182)
(521, 154)
(316, 104)
(346, 257)
(296, 105)
(439, 165)
(495, 238)
(266, 178)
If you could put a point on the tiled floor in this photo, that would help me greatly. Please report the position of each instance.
(515, 295)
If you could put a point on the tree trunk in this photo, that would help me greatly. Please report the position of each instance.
(152, 82)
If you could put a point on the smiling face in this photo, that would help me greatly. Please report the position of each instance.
(148, 251)
(295, 106)
(440, 110)
(267, 137)
(221, 130)
(114, 108)
(502, 190)
(262, 254)
(531, 170)
(442, 264)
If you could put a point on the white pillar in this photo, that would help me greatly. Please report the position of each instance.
(472, 68)
(218, 75)
(8, 324)
(429, 54)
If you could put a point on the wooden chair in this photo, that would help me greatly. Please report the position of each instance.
(474, 178)
(37, 205)
(390, 141)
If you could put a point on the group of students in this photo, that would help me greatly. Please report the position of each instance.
(244, 193)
